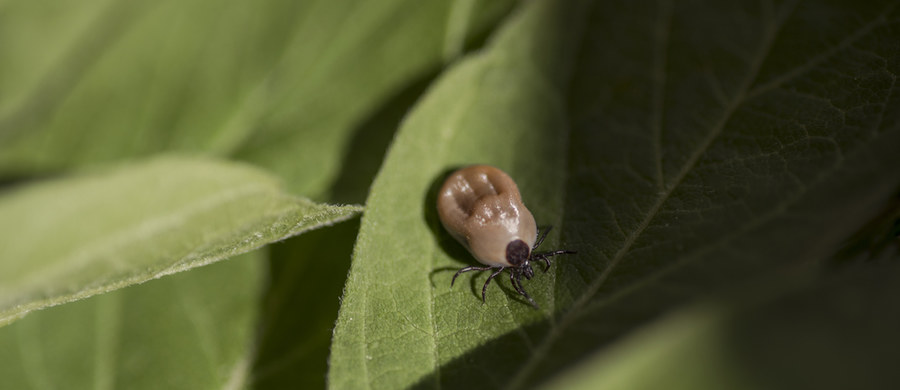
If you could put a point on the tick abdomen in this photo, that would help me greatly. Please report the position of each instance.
(481, 208)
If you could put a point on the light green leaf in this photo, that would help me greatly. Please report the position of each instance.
(839, 332)
(71, 238)
(682, 149)
(351, 72)
(187, 331)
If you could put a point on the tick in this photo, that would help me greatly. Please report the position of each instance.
(482, 209)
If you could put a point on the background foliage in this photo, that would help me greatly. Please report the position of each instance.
(727, 173)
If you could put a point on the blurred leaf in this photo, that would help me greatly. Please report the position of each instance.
(71, 238)
(683, 351)
(839, 332)
(879, 238)
(353, 71)
(187, 331)
(129, 79)
(284, 84)
(300, 307)
(683, 150)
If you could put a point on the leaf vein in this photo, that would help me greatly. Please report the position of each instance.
(770, 31)
(660, 59)
(822, 57)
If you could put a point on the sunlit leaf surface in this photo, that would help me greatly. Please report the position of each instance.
(72, 238)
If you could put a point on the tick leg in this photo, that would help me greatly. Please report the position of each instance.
(467, 269)
(546, 261)
(545, 257)
(554, 253)
(517, 283)
(484, 289)
(542, 257)
(541, 236)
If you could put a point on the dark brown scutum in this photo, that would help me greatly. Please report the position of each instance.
(517, 252)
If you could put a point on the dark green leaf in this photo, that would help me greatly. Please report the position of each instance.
(839, 332)
(300, 307)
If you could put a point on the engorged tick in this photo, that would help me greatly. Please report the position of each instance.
(482, 209)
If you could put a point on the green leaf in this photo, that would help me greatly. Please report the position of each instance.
(400, 320)
(682, 149)
(178, 75)
(839, 332)
(351, 72)
(93, 233)
(187, 331)
(295, 87)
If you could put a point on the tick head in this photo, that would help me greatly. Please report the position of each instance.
(527, 271)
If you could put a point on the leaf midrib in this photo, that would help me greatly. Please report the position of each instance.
(126, 237)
